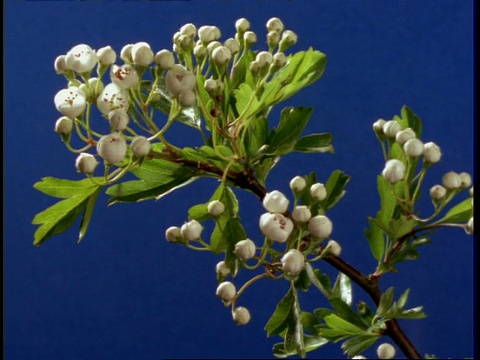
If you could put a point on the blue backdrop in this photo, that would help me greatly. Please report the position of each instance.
(124, 292)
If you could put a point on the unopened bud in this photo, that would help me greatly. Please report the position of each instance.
(289, 38)
(140, 146)
(275, 202)
(466, 180)
(142, 54)
(245, 249)
(391, 128)
(264, 58)
(301, 213)
(394, 171)
(172, 234)
(112, 148)
(273, 38)
(187, 98)
(404, 135)
(249, 38)
(437, 192)
(431, 153)
(222, 269)
(118, 119)
(86, 163)
(191, 230)
(221, 55)
(279, 60)
(215, 208)
(293, 262)
(333, 248)
(469, 226)
(386, 351)
(164, 59)
(298, 183)
(320, 226)
(318, 191)
(64, 125)
(232, 45)
(241, 315)
(242, 25)
(451, 180)
(378, 126)
(413, 147)
(60, 65)
(275, 24)
(189, 30)
(106, 55)
(226, 291)
(126, 53)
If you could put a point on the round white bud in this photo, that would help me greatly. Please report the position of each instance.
(320, 226)
(172, 234)
(275, 24)
(106, 55)
(241, 315)
(471, 191)
(64, 125)
(215, 208)
(289, 38)
(378, 126)
(164, 59)
(385, 351)
(273, 38)
(232, 45)
(187, 98)
(275, 202)
(245, 249)
(81, 58)
(189, 30)
(86, 163)
(207, 34)
(60, 65)
(140, 146)
(451, 180)
(413, 147)
(391, 128)
(431, 153)
(126, 53)
(191, 230)
(178, 79)
(199, 51)
(118, 119)
(466, 180)
(226, 291)
(279, 59)
(249, 37)
(404, 135)
(437, 192)
(275, 227)
(222, 269)
(301, 213)
(70, 102)
(112, 148)
(293, 262)
(298, 183)
(221, 55)
(142, 54)
(318, 191)
(242, 25)
(333, 248)
(394, 171)
(264, 58)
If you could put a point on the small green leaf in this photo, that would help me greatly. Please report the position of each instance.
(346, 312)
(199, 212)
(279, 319)
(460, 213)
(87, 215)
(311, 343)
(314, 143)
(376, 240)
(336, 183)
(358, 344)
(386, 301)
(62, 188)
(338, 328)
(343, 288)
(294, 333)
(319, 280)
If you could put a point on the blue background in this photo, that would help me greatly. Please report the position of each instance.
(124, 292)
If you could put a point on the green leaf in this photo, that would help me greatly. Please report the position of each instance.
(56, 219)
(411, 120)
(246, 100)
(314, 143)
(311, 343)
(343, 288)
(157, 178)
(346, 312)
(319, 280)
(358, 344)
(460, 213)
(262, 169)
(400, 227)
(291, 124)
(256, 137)
(386, 302)
(375, 239)
(336, 183)
(279, 319)
(294, 333)
(199, 212)
(338, 328)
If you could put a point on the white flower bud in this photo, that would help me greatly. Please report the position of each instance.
(140, 146)
(199, 51)
(191, 230)
(189, 30)
(164, 59)
(466, 179)
(178, 79)
(118, 119)
(276, 227)
(279, 59)
(273, 38)
(112, 148)
(298, 183)
(318, 191)
(431, 153)
(81, 58)
(126, 53)
(245, 249)
(289, 38)
(301, 214)
(226, 291)
(60, 65)
(64, 125)
(275, 202)
(404, 135)
(386, 351)
(451, 180)
(242, 25)
(124, 76)
(112, 97)
(86, 163)
(142, 54)
(264, 58)
(71, 102)
(320, 226)
(222, 269)
(394, 171)
(293, 262)
(215, 208)
(207, 34)
(212, 86)
(172, 234)
(333, 248)
(106, 55)
(249, 37)
(221, 55)
(378, 126)
(391, 128)
(241, 315)
(413, 147)
(437, 192)
(187, 98)
(255, 67)
(232, 45)
(275, 24)
(469, 226)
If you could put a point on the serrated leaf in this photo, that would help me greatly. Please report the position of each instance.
(358, 344)
(294, 333)
(346, 312)
(314, 143)
(63, 188)
(460, 213)
(337, 328)
(386, 301)
(279, 319)
(318, 280)
(336, 183)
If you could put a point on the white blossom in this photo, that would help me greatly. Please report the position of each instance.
(112, 148)
(178, 79)
(124, 76)
(112, 97)
(71, 102)
(81, 58)
(276, 227)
